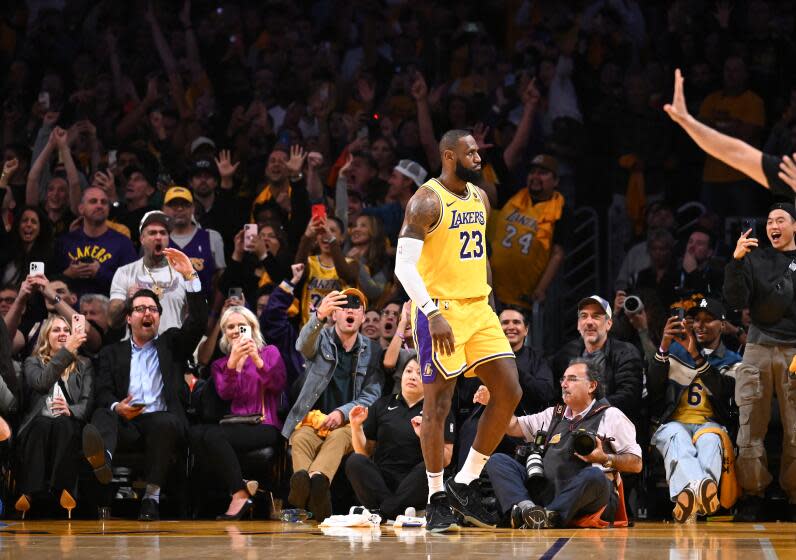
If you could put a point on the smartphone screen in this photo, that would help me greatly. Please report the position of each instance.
(318, 211)
(249, 233)
(749, 223)
(78, 323)
(235, 293)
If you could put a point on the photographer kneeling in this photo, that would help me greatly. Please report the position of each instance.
(570, 470)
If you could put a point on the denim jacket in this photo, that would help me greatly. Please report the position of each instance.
(317, 344)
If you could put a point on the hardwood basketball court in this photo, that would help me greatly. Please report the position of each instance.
(273, 540)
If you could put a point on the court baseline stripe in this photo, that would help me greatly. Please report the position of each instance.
(555, 549)
(768, 549)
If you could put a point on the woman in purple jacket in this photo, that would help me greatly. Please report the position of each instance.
(251, 376)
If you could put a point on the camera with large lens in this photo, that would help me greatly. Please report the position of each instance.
(584, 442)
(531, 455)
(633, 304)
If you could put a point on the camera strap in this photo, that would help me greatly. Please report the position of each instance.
(558, 415)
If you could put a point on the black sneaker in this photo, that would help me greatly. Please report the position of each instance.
(749, 509)
(528, 516)
(439, 515)
(465, 500)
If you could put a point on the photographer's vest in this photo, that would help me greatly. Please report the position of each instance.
(560, 465)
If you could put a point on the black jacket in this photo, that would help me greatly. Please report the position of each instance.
(762, 281)
(623, 374)
(174, 347)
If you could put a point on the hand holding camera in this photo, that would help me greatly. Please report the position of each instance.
(334, 300)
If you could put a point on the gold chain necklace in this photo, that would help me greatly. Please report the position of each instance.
(155, 287)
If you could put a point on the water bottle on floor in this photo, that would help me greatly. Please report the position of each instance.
(294, 515)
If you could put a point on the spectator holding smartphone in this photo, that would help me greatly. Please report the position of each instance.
(61, 384)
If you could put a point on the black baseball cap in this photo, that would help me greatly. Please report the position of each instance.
(148, 174)
(708, 305)
(203, 166)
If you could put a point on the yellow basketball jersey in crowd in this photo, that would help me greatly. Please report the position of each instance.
(522, 241)
(694, 406)
(453, 261)
(320, 281)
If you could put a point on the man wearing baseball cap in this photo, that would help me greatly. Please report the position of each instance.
(761, 279)
(405, 179)
(204, 247)
(152, 271)
(689, 378)
(620, 361)
(530, 233)
(215, 203)
(140, 186)
(343, 370)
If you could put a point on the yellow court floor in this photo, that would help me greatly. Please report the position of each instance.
(273, 540)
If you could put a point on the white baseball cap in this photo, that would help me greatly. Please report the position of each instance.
(413, 170)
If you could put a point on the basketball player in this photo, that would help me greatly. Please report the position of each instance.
(442, 264)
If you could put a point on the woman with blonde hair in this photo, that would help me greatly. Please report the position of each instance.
(60, 383)
(251, 377)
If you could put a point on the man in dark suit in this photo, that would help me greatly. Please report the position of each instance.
(139, 383)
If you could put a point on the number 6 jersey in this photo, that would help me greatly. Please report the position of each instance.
(453, 261)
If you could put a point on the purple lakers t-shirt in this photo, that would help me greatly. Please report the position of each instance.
(111, 249)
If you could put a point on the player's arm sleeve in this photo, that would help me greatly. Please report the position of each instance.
(406, 257)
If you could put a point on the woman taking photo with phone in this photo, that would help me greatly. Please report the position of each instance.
(251, 377)
(60, 383)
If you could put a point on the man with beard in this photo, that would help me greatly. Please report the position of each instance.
(530, 234)
(204, 247)
(91, 254)
(442, 264)
(150, 272)
(619, 361)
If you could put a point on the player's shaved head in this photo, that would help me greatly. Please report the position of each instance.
(450, 139)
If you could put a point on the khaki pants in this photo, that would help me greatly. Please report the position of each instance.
(313, 453)
(754, 403)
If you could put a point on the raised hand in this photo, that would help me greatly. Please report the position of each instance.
(480, 132)
(296, 161)
(677, 109)
(179, 261)
(481, 396)
(314, 160)
(10, 167)
(298, 271)
(75, 340)
(531, 95)
(334, 300)
(358, 415)
(723, 13)
(744, 246)
(419, 88)
(224, 163)
(787, 171)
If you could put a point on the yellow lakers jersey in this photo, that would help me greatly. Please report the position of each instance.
(453, 261)
(320, 281)
(522, 239)
(694, 406)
